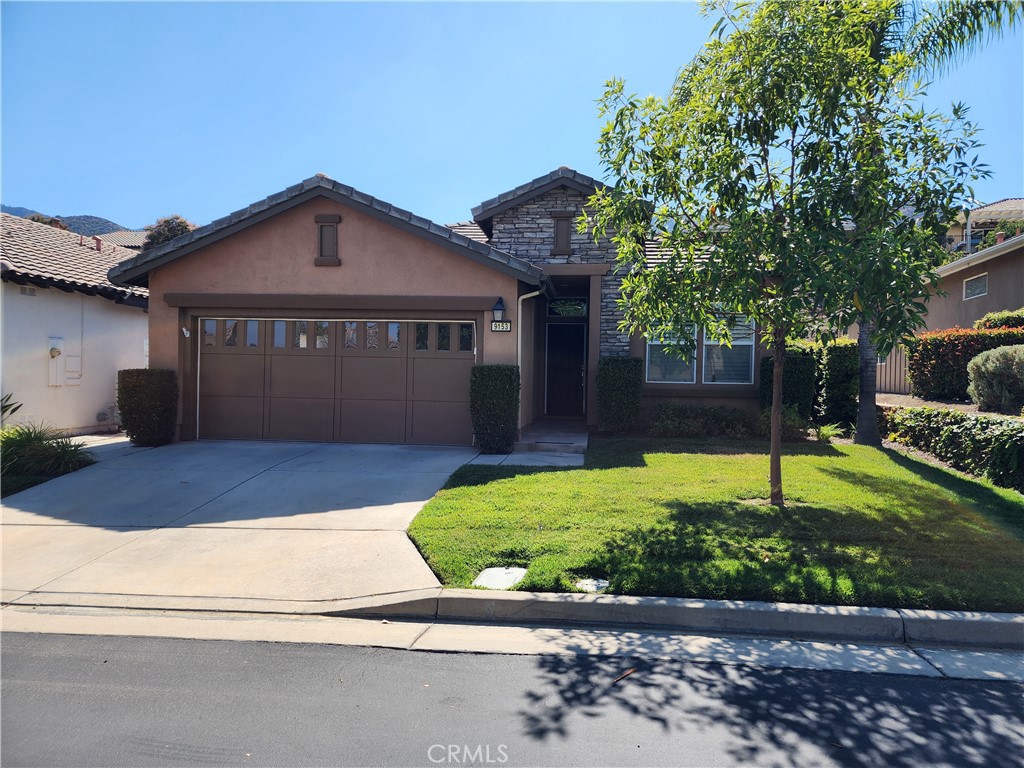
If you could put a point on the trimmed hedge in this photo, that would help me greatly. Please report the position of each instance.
(494, 406)
(996, 379)
(937, 361)
(799, 375)
(620, 385)
(794, 426)
(681, 420)
(1010, 318)
(148, 401)
(831, 382)
(838, 382)
(988, 446)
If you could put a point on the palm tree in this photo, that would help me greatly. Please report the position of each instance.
(932, 37)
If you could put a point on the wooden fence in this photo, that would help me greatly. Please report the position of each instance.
(891, 373)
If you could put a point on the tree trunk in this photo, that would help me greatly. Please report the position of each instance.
(867, 418)
(775, 461)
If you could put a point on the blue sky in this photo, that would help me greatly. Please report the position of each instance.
(132, 111)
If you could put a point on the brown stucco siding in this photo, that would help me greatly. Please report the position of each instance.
(1005, 291)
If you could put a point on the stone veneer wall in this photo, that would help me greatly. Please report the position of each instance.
(528, 231)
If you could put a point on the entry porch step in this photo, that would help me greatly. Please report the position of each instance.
(554, 437)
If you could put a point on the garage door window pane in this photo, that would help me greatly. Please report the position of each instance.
(279, 333)
(209, 333)
(465, 337)
(372, 336)
(444, 337)
(299, 334)
(252, 333)
(321, 334)
(394, 332)
(230, 333)
(421, 337)
(351, 338)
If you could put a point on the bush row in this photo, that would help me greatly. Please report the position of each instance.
(937, 361)
(494, 406)
(825, 375)
(620, 385)
(681, 420)
(988, 446)
(1010, 318)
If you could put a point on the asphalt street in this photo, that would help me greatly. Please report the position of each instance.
(83, 701)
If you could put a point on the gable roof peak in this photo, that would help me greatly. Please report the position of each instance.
(563, 176)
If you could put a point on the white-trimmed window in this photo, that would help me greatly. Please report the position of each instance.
(735, 364)
(665, 366)
(976, 286)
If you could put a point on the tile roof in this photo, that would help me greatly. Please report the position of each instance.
(469, 229)
(134, 271)
(126, 238)
(563, 176)
(1007, 208)
(39, 253)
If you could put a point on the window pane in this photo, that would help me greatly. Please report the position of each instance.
(372, 334)
(279, 333)
(300, 332)
(421, 337)
(394, 330)
(723, 365)
(209, 333)
(321, 334)
(230, 333)
(567, 308)
(975, 287)
(465, 337)
(351, 336)
(444, 337)
(662, 365)
(328, 241)
(252, 333)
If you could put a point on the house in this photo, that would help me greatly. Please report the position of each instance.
(968, 232)
(322, 313)
(66, 328)
(989, 280)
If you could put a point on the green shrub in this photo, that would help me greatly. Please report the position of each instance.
(147, 399)
(8, 407)
(1010, 318)
(799, 375)
(826, 433)
(794, 426)
(937, 361)
(494, 406)
(996, 379)
(681, 420)
(838, 382)
(31, 450)
(620, 384)
(982, 445)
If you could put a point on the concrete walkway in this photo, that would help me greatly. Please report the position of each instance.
(224, 525)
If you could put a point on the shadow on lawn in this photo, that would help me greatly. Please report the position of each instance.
(757, 716)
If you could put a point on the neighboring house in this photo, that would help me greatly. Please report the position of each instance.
(990, 280)
(126, 238)
(66, 328)
(322, 313)
(966, 234)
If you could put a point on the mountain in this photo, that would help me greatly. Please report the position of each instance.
(80, 225)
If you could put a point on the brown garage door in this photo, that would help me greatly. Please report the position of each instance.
(379, 381)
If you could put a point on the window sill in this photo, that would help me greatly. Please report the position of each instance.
(326, 261)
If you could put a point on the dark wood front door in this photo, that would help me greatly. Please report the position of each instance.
(566, 369)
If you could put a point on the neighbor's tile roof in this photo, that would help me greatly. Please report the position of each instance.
(135, 270)
(469, 229)
(126, 238)
(1007, 208)
(41, 253)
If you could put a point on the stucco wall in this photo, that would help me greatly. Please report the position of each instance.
(104, 336)
(1005, 291)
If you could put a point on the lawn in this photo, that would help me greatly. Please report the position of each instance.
(862, 526)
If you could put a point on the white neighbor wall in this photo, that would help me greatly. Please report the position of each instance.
(99, 338)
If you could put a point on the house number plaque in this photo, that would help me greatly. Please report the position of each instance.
(501, 326)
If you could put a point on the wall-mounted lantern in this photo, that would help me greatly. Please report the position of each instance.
(499, 324)
(499, 310)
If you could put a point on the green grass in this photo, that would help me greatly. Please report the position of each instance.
(862, 526)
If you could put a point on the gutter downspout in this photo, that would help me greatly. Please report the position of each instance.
(519, 346)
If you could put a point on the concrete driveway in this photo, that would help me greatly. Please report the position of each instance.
(225, 525)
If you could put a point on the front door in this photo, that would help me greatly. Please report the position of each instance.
(566, 369)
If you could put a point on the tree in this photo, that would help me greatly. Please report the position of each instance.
(734, 174)
(901, 195)
(166, 228)
(750, 172)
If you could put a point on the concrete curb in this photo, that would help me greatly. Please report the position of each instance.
(831, 622)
